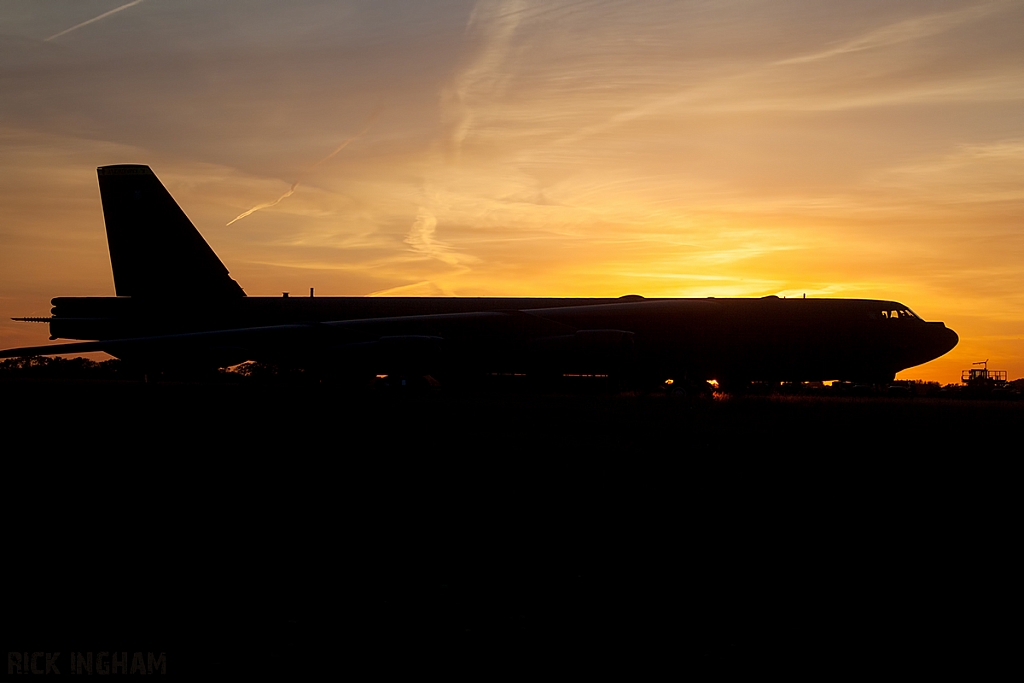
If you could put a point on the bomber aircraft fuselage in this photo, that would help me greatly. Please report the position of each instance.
(177, 304)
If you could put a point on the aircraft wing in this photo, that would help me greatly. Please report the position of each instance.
(169, 342)
(318, 335)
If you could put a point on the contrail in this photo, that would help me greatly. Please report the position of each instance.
(256, 208)
(86, 23)
(305, 173)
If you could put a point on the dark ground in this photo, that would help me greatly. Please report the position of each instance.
(296, 530)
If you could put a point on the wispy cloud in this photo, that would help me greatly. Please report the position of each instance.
(422, 239)
(777, 86)
(495, 22)
(904, 31)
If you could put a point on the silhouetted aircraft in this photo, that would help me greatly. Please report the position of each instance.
(177, 305)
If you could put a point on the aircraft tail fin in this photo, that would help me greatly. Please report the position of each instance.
(155, 251)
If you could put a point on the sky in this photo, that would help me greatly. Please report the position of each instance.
(525, 148)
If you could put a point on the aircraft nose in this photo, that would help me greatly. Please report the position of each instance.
(945, 339)
(951, 339)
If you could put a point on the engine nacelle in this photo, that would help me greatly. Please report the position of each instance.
(585, 351)
(405, 355)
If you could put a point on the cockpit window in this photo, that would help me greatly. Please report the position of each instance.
(898, 313)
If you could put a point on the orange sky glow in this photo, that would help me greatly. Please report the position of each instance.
(526, 148)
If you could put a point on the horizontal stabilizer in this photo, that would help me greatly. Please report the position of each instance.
(53, 350)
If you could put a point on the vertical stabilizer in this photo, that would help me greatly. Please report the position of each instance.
(155, 251)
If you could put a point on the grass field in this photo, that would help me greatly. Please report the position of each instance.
(300, 530)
